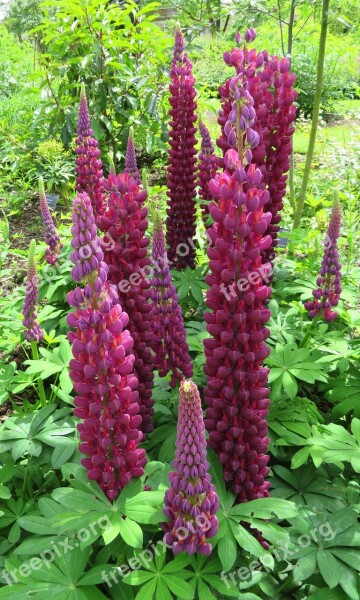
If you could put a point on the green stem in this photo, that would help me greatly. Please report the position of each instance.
(310, 330)
(39, 381)
(315, 116)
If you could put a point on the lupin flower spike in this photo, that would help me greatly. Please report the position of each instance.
(169, 342)
(102, 369)
(32, 331)
(125, 244)
(208, 166)
(327, 294)
(236, 392)
(52, 238)
(271, 85)
(89, 172)
(191, 502)
(181, 211)
(130, 158)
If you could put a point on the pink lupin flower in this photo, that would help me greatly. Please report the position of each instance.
(208, 166)
(102, 369)
(169, 341)
(181, 212)
(89, 174)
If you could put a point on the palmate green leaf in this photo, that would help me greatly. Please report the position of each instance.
(131, 532)
(138, 577)
(330, 568)
(147, 591)
(162, 591)
(227, 546)
(178, 586)
(305, 567)
(265, 508)
(349, 582)
(248, 542)
(204, 591)
(224, 587)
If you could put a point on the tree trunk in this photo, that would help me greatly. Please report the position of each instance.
(315, 116)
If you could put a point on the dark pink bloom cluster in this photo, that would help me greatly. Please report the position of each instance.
(181, 219)
(236, 392)
(208, 166)
(327, 294)
(52, 238)
(32, 331)
(125, 245)
(130, 158)
(191, 502)
(102, 369)
(270, 84)
(169, 342)
(89, 174)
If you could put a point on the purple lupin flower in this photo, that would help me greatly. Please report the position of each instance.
(32, 331)
(102, 369)
(327, 294)
(191, 502)
(208, 166)
(89, 174)
(52, 238)
(169, 341)
(130, 158)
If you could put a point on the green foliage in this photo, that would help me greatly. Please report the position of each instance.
(118, 54)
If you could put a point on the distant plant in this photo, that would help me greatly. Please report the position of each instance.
(327, 294)
(52, 238)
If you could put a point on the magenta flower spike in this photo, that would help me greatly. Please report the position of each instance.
(236, 392)
(208, 166)
(52, 238)
(130, 158)
(327, 294)
(102, 369)
(270, 84)
(181, 211)
(169, 342)
(89, 174)
(191, 502)
(125, 244)
(32, 330)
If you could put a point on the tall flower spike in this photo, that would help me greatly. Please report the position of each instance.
(89, 172)
(102, 367)
(125, 251)
(32, 332)
(191, 502)
(181, 212)
(327, 294)
(270, 84)
(169, 342)
(130, 158)
(208, 166)
(52, 238)
(236, 392)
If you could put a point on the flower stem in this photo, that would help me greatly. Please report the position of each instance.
(39, 381)
(310, 330)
